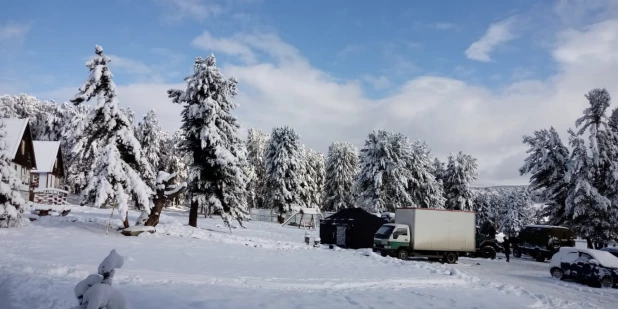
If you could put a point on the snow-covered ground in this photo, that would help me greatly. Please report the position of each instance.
(263, 266)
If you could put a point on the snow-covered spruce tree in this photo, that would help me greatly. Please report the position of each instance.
(587, 208)
(382, 183)
(603, 146)
(130, 115)
(341, 169)
(77, 167)
(284, 171)
(425, 190)
(438, 170)
(112, 177)
(314, 174)
(547, 164)
(460, 173)
(515, 212)
(257, 141)
(217, 179)
(487, 205)
(11, 202)
(174, 162)
(148, 133)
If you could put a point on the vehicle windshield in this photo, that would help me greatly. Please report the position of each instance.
(384, 231)
(606, 259)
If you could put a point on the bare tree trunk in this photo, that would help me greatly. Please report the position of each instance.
(126, 220)
(193, 213)
(589, 243)
(155, 213)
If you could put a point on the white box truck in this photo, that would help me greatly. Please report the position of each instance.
(431, 233)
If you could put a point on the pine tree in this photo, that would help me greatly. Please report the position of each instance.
(149, 135)
(515, 211)
(217, 179)
(460, 173)
(341, 169)
(586, 206)
(284, 167)
(11, 201)
(382, 184)
(547, 164)
(112, 177)
(314, 174)
(257, 142)
(424, 189)
(439, 170)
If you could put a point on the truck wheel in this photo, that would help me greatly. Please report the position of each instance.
(607, 282)
(516, 253)
(488, 252)
(384, 253)
(538, 255)
(403, 254)
(450, 258)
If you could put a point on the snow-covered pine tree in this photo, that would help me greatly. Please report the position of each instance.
(130, 115)
(11, 202)
(438, 170)
(424, 189)
(174, 161)
(257, 141)
(603, 145)
(314, 174)
(515, 211)
(382, 183)
(587, 208)
(284, 167)
(76, 167)
(112, 177)
(487, 205)
(547, 164)
(460, 173)
(217, 179)
(148, 133)
(342, 166)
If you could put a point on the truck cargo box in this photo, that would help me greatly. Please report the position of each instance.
(439, 230)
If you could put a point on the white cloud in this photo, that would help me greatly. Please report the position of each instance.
(443, 26)
(448, 113)
(377, 82)
(14, 31)
(195, 9)
(230, 46)
(497, 34)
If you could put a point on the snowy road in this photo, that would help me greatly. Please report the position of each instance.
(534, 276)
(264, 266)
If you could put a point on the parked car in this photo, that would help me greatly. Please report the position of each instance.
(587, 266)
(612, 250)
(541, 241)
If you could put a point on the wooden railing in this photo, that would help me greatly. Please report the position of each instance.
(50, 196)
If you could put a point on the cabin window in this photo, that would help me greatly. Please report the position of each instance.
(22, 147)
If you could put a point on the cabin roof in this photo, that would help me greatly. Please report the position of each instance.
(45, 153)
(15, 128)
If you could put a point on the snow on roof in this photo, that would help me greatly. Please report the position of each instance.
(45, 154)
(605, 258)
(14, 131)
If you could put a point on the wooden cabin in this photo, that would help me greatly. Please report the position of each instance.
(50, 167)
(21, 151)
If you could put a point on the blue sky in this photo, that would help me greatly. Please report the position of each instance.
(462, 75)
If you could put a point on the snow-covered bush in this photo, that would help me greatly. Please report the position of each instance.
(11, 202)
(96, 291)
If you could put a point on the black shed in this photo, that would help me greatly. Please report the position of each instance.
(351, 228)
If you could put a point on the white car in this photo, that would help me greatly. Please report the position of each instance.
(592, 267)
